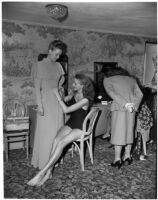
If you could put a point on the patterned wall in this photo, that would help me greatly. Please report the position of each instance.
(23, 42)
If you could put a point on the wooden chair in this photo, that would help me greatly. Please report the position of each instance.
(87, 136)
(15, 124)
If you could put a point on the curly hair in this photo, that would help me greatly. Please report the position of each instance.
(88, 87)
(58, 44)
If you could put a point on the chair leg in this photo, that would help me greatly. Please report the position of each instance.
(82, 155)
(24, 143)
(6, 148)
(72, 150)
(27, 146)
(89, 144)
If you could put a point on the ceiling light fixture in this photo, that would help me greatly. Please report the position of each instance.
(58, 12)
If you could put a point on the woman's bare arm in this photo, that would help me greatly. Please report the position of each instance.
(74, 107)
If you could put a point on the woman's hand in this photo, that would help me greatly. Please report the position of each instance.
(39, 110)
(61, 92)
(55, 90)
(130, 107)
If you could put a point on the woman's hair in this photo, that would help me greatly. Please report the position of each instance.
(114, 71)
(58, 44)
(88, 87)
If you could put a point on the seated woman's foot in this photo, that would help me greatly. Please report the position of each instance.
(34, 181)
(47, 176)
(127, 161)
(117, 164)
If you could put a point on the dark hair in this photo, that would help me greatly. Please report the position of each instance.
(116, 71)
(88, 87)
(58, 44)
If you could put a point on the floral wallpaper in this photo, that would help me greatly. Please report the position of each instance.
(23, 42)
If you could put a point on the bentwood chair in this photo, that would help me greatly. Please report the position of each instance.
(87, 136)
(15, 124)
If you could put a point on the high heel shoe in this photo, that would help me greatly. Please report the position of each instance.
(128, 161)
(117, 164)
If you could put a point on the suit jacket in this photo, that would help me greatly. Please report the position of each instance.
(122, 89)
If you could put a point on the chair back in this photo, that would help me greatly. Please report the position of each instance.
(89, 121)
(14, 108)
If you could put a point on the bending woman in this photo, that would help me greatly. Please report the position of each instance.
(127, 96)
(79, 103)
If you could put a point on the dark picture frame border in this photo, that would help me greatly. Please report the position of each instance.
(148, 73)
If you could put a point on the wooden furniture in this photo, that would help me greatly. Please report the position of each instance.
(15, 124)
(32, 116)
(87, 136)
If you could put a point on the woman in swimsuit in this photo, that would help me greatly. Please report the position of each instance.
(79, 103)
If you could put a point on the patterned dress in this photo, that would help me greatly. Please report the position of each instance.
(144, 123)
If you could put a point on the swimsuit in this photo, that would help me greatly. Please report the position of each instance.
(77, 117)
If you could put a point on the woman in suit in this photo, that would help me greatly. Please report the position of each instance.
(127, 96)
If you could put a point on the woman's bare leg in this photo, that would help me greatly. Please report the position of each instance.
(40, 178)
(118, 150)
(128, 151)
(67, 139)
(63, 131)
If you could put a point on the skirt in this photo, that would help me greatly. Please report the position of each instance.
(122, 127)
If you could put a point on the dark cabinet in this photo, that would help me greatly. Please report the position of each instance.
(64, 62)
(99, 71)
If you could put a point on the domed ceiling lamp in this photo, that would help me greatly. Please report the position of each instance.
(58, 12)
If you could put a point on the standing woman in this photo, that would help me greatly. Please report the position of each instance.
(49, 112)
(127, 96)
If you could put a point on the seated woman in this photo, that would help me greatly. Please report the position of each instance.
(80, 101)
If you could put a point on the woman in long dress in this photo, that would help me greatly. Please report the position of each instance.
(49, 112)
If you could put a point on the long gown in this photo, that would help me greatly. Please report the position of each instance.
(48, 73)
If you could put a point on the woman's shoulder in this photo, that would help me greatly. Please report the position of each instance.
(43, 68)
(83, 100)
(42, 63)
(40, 67)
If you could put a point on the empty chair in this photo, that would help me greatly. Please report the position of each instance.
(15, 124)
